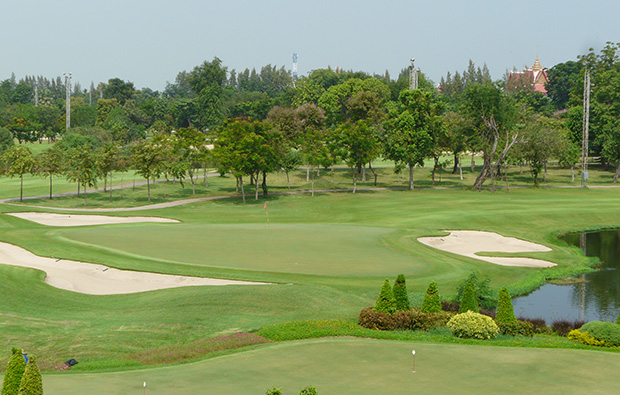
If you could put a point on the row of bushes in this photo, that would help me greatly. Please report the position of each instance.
(21, 377)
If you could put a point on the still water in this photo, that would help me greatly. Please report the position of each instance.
(596, 300)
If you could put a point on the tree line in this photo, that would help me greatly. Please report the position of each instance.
(263, 121)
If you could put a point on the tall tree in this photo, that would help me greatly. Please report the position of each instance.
(207, 82)
(147, 158)
(18, 161)
(50, 164)
(358, 146)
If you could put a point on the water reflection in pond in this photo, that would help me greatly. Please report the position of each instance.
(596, 300)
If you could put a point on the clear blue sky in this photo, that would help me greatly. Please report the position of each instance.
(148, 42)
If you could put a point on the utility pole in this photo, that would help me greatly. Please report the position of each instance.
(413, 75)
(294, 68)
(586, 127)
(68, 99)
(36, 94)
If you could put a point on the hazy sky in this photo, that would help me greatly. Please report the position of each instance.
(148, 42)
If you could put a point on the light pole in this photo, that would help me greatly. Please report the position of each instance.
(413, 76)
(68, 100)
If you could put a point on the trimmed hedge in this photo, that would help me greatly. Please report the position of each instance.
(432, 302)
(412, 319)
(473, 325)
(505, 311)
(517, 328)
(607, 332)
(32, 383)
(400, 293)
(14, 371)
(469, 302)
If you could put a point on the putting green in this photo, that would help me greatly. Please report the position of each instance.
(319, 249)
(360, 366)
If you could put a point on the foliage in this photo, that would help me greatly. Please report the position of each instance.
(562, 327)
(432, 302)
(13, 374)
(483, 290)
(515, 328)
(6, 139)
(473, 325)
(273, 391)
(386, 302)
(539, 325)
(607, 332)
(309, 390)
(413, 319)
(585, 338)
(400, 293)
(469, 301)
(31, 383)
(505, 311)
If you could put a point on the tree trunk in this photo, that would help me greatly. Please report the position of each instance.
(617, 173)
(312, 183)
(51, 196)
(242, 190)
(288, 181)
(110, 186)
(191, 178)
(78, 189)
(545, 173)
(332, 171)
(256, 187)
(460, 170)
(237, 184)
(308, 172)
(473, 162)
(572, 173)
(355, 179)
(506, 178)
(373, 172)
(21, 188)
(457, 163)
(411, 177)
(364, 173)
(148, 187)
(264, 184)
(105, 183)
(85, 195)
(435, 165)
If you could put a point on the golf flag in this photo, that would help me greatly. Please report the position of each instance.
(265, 205)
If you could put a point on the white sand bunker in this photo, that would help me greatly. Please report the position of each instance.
(470, 242)
(53, 219)
(96, 279)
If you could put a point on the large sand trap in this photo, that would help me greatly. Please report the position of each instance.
(96, 279)
(470, 242)
(53, 219)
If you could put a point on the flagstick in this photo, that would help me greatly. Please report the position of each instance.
(266, 213)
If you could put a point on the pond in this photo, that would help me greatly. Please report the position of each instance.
(596, 299)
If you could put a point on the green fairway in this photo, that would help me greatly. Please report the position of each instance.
(356, 366)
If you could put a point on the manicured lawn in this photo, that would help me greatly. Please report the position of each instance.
(362, 366)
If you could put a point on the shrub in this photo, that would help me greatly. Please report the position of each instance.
(432, 302)
(309, 390)
(562, 327)
(483, 291)
(450, 306)
(14, 372)
(386, 303)
(585, 338)
(540, 325)
(400, 293)
(607, 332)
(273, 391)
(517, 328)
(372, 319)
(505, 311)
(469, 302)
(473, 325)
(618, 320)
(31, 383)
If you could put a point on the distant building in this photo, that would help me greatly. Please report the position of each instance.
(535, 77)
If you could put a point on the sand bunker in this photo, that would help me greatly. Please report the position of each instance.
(96, 279)
(53, 219)
(469, 242)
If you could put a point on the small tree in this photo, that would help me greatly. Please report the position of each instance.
(14, 372)
(432, 303)
(400, 293)
(386, 303)
(469, 302)
(19, 161)
(505, 311)
(31, 383)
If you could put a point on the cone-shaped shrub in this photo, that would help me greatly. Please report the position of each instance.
(14, 372)
(32, 383)
(400, 293)
(385, 302)
(505, 311)
(469, 302)
(432, 303)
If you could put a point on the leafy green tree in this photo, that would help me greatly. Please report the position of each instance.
(50, 164)
(492, 115)
(107, 162)
(147, 158)
(18, 161)
(13, 374)
(563, 79)
(407, 138)
(505, 311)
(386, 302)
(31, 382)
(6, 139)
(432, 302)
(207, 82)
(358, 145)
(82, 168)
(118, 89)
(469, 301)
(401, 296)
(189, 145)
